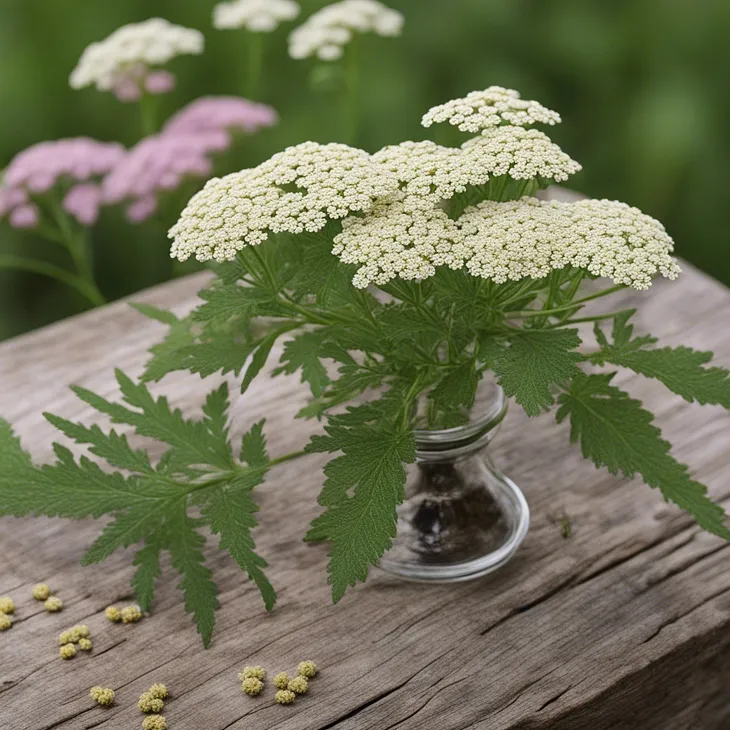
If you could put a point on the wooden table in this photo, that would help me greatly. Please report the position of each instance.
(625, 624)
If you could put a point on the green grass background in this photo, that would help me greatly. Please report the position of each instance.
(643, 87)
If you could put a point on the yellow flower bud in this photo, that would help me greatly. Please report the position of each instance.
(256, 671)
(65, 637)
(131, 614)
(67, 651)
(159, 691)
(299, 685)
(154, 722)
(281, 680)
(53, 604)
(41, 591)
(148, 703)
(85, 644)
(102, 695)
(5, 622)
(252, 686)
(307, 669)
(285, 697)
(7, 605)
(73, 635)
(113, 614)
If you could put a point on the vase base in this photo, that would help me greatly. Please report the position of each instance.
(444, 538)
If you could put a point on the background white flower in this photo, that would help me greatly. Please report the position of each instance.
(296, 190)
(125, 57)
(530, 238)
(258, 16)
(325, 33)
(480, 110)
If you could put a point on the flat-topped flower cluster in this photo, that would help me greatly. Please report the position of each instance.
(258, 16)
(325, 33)
(121, 62)
(395, 205)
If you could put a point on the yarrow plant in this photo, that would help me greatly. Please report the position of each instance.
(392, 284)
(327, 33)
(258, 17)
(124, 62)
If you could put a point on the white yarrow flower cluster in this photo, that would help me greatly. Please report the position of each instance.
(325, 33)
(494, 106)
(258, 16)
(296, 190)
(529, 238)
(392, 241)
(523, 154)
(132, 47)
(429, 173)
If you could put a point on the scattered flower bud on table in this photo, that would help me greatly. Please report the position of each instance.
(299, 685)
(85, 644)
(258, 672)
(67, 651)
(154, 722)
(41, 591)
(131, 614)
(53, 604)
(7, 605)
(252, 686)
(159, 691)
(102, 695)
(285, 697)
(148, 703)
(281, 680)
(5, 622)
(307, 669)
(113, 614)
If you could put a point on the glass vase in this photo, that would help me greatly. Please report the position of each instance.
(461, 518)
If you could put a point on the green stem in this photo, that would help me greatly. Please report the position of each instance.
(566, 307)
(351, 92)
(597, 318)
(78, 247)
(148, 114)
(255, 61)
(9, 261)
(222, 478)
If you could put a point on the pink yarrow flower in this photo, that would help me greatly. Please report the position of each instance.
(182, 151)
(42, 167)
(222, 112)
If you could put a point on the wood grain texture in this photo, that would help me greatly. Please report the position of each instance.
(626, 624)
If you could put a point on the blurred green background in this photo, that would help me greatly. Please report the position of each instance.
(643, 87)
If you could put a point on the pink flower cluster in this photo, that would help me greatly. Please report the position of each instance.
(130, 85)
(40, 168)
(181, 151)
(105, 173)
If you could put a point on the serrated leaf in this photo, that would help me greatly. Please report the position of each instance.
(112, 447)
(262, 352)
(534, 363)
(616, 432)
(159, 315)
(186, 551)
(321, 273)
(193, 442)
(681, 369)
(253, 446)
(224, 302)
(360, 527)
(148, 570)
(127, 528)
(231, 515)
(303, 353)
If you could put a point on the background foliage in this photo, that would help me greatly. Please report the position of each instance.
(642, 86)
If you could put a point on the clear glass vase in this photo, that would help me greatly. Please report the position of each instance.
(461, 518)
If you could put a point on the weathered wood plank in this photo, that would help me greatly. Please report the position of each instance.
(624, 625)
